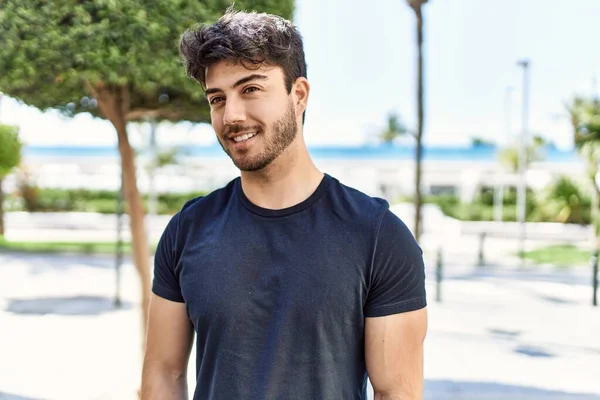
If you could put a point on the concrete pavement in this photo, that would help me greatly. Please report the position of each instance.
(498, 334)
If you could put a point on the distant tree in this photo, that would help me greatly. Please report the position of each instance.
(478, 141)
(509, 156)
(584, 114)
(10, 157)
(117, 60)
(540, 141)
(394, 129)
(566, 200)
(417, 7)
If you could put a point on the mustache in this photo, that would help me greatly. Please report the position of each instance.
(235, 129)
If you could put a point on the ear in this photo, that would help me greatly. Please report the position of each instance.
(300, 91)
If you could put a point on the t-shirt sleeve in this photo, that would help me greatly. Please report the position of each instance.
(166, 282)
(397, 281)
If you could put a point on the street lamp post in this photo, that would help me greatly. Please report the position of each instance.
(508, 114)
(499, 187)
(523, 142)
(152, 198)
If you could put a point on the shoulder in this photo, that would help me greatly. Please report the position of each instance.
(211, 204)
(370, 214)
(393, 234)
(357, 205)
(196, 210)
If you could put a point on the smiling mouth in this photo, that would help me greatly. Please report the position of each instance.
(245, 137)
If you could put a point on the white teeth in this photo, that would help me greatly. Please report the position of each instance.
(243, 137)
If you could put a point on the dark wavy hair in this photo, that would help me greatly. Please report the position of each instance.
(248, 38)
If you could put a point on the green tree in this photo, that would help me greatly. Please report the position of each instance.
(417, 7)
(10, 157)
(509, 156)
(584, 114)
(479, 141)
(394, 129)
(115, 59)
(566, 201)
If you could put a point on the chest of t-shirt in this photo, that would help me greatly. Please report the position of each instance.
(271, 277)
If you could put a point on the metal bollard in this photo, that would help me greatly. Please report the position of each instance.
(438, 276)
(481, 257)
(595, 278)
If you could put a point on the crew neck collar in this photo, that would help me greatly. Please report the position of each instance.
(267, 212)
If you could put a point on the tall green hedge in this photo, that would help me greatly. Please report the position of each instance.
(102, 201)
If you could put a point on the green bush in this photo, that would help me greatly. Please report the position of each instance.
(101, 201)
(446, 200)
(483, 212)
(103, 206)
(486, 196)
(567, 202)
(174, 201)
(477, 212)
(563, 201)
(431, 199)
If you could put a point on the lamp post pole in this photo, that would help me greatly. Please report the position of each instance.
(523, 142)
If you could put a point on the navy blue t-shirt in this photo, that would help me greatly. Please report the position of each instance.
(278, 298)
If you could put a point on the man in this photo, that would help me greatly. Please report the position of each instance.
(295, 285)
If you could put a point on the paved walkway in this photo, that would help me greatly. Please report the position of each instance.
(497, 335)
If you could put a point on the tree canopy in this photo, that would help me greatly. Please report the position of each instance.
(479, 141)
(52, 50)
(509, 156)
(394, 128)
(117, 59)
(585, 120)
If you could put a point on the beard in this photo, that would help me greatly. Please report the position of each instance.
(275, 140)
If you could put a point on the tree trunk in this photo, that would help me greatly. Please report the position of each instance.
(419, 135)
(113, 102)
(1, 208)
(135, 209)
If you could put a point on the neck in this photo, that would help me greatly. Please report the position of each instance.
(287, 181)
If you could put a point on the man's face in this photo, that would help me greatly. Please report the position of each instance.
(253, 115)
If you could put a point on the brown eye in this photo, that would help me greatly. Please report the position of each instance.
(215, 100)
(250, 89)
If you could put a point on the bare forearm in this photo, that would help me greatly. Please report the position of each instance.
(379, 396)
(384, 396)
(412, 390)
(162, 385)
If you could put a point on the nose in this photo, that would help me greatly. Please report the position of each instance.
(235, 112)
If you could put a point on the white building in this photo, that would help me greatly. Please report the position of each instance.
(384, 170)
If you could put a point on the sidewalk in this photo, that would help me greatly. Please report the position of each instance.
(497, 335)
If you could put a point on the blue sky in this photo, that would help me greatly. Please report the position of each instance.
(362, 64)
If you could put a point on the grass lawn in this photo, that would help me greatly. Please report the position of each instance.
(563, 255)
(64, 247)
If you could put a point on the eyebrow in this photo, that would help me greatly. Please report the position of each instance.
(241, 81)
